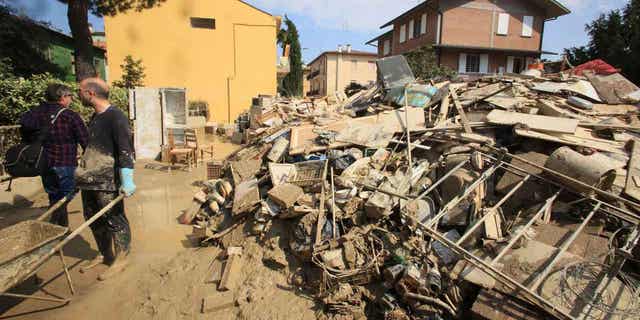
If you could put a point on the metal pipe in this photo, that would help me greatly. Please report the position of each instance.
(333, 204)
(622, 214)
(391, 193)
(454, 202)
(430, 300)
(535, 217)
(442, 179)
(510, 193)
(495, 273)
(66, 272)
(565, 246)
(24, 296)
(413, 145)
(406, 126)
(321, 213)
(491, 211)
(582, 184)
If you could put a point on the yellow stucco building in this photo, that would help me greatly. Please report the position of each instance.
(222, 51)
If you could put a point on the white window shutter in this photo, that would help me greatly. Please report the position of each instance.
(423, 24)
(462, 63)
(527, 26)
(387, 47)
(411, 26)
(484, 63)
(503, 24)
(509, 64)
(438, 28)
(403, 33)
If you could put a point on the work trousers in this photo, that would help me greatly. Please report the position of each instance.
(111, 231)
(59, 182)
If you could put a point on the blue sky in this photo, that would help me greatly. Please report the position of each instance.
(324, 24)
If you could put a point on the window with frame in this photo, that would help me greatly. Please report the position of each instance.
(417, 28)
(198, 109)
(473, 63)
(403, 33)
(527, 26)
(203, 23)
(503, 24)
(386, 47)
(411, 29)
(423, 24)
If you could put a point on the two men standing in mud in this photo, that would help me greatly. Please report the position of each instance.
(105, 169)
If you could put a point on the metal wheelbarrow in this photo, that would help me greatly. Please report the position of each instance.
(26, 246)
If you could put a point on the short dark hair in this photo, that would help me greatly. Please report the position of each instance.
(55, 91)
(101, 91)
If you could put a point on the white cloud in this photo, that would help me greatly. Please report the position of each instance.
(349, 15)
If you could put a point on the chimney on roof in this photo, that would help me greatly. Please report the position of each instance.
(340, 48)
(348, 48)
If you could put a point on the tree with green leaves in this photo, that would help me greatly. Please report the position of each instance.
(292, 82)
(132, 73)
(78, 16)
(613, 37)
(424, 65)
(23, 44)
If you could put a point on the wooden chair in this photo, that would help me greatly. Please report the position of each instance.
(188, 150)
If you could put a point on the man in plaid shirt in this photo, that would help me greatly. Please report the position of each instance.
(60, 146)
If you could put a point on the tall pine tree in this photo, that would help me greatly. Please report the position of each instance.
(292, 82)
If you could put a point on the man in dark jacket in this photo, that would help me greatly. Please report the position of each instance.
(60, 145)
(106, 168)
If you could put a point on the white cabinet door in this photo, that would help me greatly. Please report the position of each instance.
(484, 63)
(462, 63)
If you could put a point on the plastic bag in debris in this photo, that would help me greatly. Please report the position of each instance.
(419, 95)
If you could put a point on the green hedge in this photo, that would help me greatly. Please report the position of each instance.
(18, 95)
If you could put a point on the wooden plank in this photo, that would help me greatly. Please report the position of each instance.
(633, 172)
(463, 116)
(612, 88)
(303, 138)
(549, 108)
(231, 274)
(611, 110)
(583, 138)
(444, 109)
(534, 122)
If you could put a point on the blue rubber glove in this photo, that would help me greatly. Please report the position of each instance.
(126, 182)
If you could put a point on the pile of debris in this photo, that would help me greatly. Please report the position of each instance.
(507, 197)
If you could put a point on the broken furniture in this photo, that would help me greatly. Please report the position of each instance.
(187, 149)
(522, 186)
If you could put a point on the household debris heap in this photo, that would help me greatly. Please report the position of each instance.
(502, 197)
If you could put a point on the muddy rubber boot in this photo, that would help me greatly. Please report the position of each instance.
(121, 248)
(119, 264)
(105, 254)
(98, 260)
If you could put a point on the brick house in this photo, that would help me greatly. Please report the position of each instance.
(473, 36)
